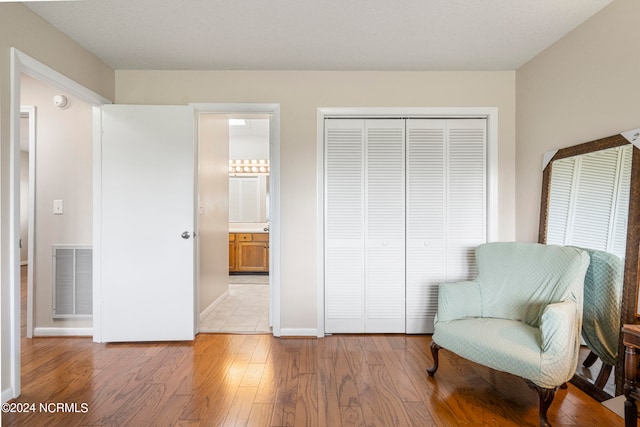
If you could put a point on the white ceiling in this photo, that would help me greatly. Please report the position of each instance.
(317, 34)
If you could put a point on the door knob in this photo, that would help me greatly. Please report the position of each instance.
(186, 235)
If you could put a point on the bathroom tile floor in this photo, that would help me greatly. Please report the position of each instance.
(244, 309)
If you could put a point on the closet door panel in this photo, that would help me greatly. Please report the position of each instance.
(344, 226)
(425, 272)
(426, 225)
(405, 208)
(385, 226)
(466, 196)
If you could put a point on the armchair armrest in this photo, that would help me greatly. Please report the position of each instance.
(560, 327)
(458, 300)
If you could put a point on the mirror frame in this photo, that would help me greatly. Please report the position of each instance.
(629, 310)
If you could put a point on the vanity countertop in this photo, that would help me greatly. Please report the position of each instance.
(251, 227)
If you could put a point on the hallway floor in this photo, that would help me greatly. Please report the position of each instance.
(244, 309)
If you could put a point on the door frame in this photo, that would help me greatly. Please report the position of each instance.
(29, 112)
(488, 113)
(21, 63)
(273, 110)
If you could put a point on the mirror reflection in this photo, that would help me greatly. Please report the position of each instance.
(249, 171)
(589, 200)
(586, 193)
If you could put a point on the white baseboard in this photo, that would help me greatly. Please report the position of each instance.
(298, 332)
(63, 332)
(213, 305)
(8, 394)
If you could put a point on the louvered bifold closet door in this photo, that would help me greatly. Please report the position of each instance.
(446, 209)
(344, 226)
(426, 209)
(466, 196)
(385, 226)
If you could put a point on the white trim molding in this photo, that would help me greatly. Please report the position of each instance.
(62, 332)
(299, 332)
(29, 112)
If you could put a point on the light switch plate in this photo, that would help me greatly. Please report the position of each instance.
(58, 207)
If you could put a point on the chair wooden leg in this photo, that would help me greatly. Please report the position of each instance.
(630, 413)
(434, 352)
(546, 398)
(590, 360)
(603, 376)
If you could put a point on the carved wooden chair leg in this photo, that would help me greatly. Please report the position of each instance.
(546, 398)
(630, 412)
(590, 360)
(603, 376)
(434, 352)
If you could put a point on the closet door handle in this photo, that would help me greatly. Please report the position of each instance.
(186, 235)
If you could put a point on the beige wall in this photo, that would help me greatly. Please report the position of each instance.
(63, 172)
(300, 94)
(213, 208)
(582, 88)
(24, 30)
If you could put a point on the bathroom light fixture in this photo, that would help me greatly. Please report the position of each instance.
(249, 167)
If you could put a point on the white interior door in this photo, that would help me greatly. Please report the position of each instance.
(147, 223)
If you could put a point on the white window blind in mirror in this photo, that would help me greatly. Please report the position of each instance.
(589, 199)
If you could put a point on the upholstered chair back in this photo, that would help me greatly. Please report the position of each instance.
(514, 287)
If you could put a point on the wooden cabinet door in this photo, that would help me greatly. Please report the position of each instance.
(253, 256)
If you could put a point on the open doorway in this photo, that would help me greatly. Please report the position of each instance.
(243, 305)
(23, 65)
(56, 210)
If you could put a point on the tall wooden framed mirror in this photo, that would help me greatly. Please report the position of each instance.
(615, 160)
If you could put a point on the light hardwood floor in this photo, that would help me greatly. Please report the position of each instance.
(259, 380)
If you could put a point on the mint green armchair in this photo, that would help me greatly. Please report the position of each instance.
(522, 314)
